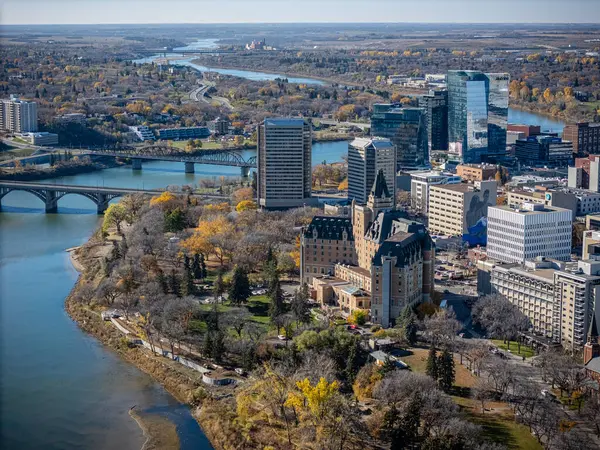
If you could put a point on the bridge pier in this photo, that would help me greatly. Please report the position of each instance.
(102, 203)
(136, 163)
(51, 202)
(245, 172)
(189, 167)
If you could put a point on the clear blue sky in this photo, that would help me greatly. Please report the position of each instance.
(256, 11)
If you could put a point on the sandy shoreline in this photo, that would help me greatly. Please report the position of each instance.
(160, 433)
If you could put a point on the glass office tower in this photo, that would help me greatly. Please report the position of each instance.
(407, 129)
(477, 115)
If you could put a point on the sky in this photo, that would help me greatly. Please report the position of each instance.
(272, 11)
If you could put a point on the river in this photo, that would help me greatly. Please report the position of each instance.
(59, 388)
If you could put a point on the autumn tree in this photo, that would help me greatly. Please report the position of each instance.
(212, 236)
(114, 215)
(246, 205)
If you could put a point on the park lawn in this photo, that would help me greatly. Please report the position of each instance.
(503, 429)
(525, 350)
(498, 421)
(258, 305)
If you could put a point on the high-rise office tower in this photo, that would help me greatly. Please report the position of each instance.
(18, 116)
(477, 115)
(407, 129)
(366, 157)
(284, 163)
(435, 105)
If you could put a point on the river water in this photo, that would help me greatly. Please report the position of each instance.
(60, 388)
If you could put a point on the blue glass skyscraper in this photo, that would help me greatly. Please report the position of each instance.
(477, 115)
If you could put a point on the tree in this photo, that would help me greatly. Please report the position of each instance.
(410, 331)
(548, 96)
(219, 285)
(358, 317)
(299, 306)
(432, 364)
(166, 201)
(239, 289)
(445, 371)
(276, 307)
(214, 235)
(314, 398)
(175, 220)
(343, 186)
(246, 205)
(114, 215)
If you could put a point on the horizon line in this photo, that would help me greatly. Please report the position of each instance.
(300, 23)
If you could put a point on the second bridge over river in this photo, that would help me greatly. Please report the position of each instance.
(166, 153)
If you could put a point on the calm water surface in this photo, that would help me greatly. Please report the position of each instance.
(60, 388)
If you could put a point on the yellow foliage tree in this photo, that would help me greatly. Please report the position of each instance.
(548, 96)
(314, 398)
(166, 200)
(209, 236)
(238, 141)
(245, 205)
(568, 91)
(343, 186)
(396, 96)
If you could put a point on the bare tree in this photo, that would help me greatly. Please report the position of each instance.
(442, 327)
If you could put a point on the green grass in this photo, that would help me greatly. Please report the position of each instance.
(525, 350)
(258, 306)
(505, 431)
(14, 152)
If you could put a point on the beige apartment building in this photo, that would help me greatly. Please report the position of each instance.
(476, 172)
(377, 260)
(453, 209)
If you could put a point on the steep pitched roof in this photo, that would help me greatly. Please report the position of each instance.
(329, 227)
(380, 188)
(383, 225)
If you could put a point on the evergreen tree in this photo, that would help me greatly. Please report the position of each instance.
(187, 285)
(203, 267)
(410, 331)
(406, 314)
(219, 286)
(174, 283)
(162, 282)
(411, 421)
(208, 344)
(239, 289)
(196, 267)
(186, 263)
(300, 307)
(352, 364)
(276, 307)
(175, 220)
(446, 373)
(432, 364)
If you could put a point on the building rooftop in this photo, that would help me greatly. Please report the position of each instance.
(459, 187)
(539, 209)
(380, 188)
(284, 122)
(329, 227)
(377, 142)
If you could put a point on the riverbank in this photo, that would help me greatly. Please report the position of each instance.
(160, 433)
(57, 171)
(181, 382)
(331, 81)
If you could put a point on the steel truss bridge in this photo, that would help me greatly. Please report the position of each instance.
(167, 153)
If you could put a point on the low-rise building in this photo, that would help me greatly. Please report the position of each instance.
(420, 184)
(41, 138)
(72, 118)
(455, 208)
(476, 172)
(143, 133)
(183, 133)
(527, 130)
(516, 235)
(556, 198)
